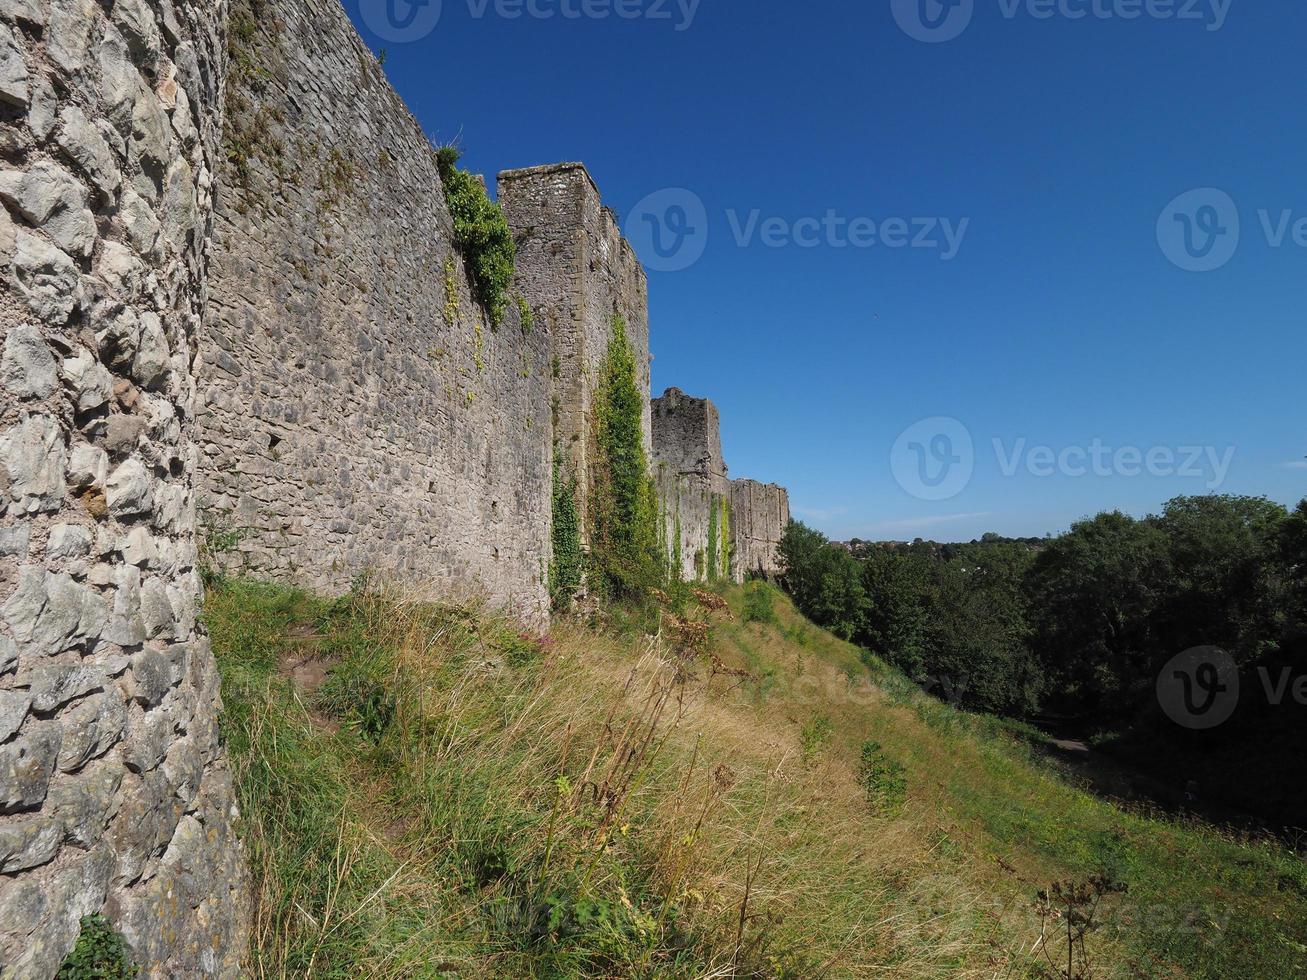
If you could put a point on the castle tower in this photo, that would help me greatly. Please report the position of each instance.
(578, 274)
(693, 491)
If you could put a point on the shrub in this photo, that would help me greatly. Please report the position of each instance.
(815, 735)
(758, 606)
(481, 234)
(100, 954)
(884, 780)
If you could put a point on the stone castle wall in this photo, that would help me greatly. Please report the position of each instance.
(265, 320)
(715, 527)
(693, 490)
(760, 513)
(577, 273)
(114, 795)
(360, 413)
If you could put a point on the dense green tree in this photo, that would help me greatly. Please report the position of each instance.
(825, 580)
(1092, 594)
(1293, 553)
(894, 623)
(977, 637)
(1227, 583)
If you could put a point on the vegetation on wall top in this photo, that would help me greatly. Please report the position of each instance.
(481, 234)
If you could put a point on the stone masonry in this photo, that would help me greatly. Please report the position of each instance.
(263, 320)
(716, 528)
(360, 413)
(760, 513)
(577, 273)
(114, 793)
(693, 489)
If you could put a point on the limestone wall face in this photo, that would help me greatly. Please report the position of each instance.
(577, 272)
(705, 514)
(114, 795)
(693, 491)
(359, 411)
(760, 513)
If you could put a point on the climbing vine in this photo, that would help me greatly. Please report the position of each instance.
(712, 539)
(481, 234)
(566, 568)
(727, 552)
(623, 511)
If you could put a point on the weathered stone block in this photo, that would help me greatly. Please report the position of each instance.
(50, 613)
(91, 728)
(13, 709)
(88, 379)
(29, 843)
(26, 765)
(85, 144)
(69, 541)
(33, 455)
(84, 804)
(130, 489)
(51, 198)
(14, 88)
(46, 277)
(27, 366)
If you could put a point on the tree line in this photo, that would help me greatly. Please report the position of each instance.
(1078, 627)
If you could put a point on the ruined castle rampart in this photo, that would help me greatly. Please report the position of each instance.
(114, 796)
(716, 528)
(360, 412)
(578, 274)
(264, 320)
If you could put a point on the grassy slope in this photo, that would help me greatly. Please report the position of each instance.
(457, 800)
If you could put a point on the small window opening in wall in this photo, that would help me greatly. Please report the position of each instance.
(274, 441)
(496, 554)
(494, 507)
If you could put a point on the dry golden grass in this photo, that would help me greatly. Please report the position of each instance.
(461, 800)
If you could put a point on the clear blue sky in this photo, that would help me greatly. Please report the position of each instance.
(1059, 321)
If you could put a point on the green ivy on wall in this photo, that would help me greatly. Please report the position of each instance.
(623, 511)
(566, 568)
(713, 510)
(481, 234)
(726, 550)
